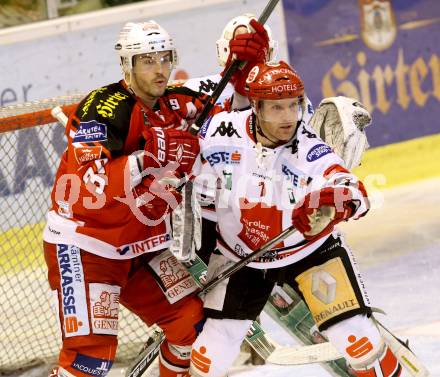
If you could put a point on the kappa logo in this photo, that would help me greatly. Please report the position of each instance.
(207, 86)
(228, 130)
(293, 146)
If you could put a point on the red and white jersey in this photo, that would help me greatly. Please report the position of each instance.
(255, 188)
(90, 199)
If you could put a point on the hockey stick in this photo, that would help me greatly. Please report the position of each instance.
(315, 353)
(248, 259)
(323, 352)
(256, 336)
(146, 357)
(400, 349)
(232, 68)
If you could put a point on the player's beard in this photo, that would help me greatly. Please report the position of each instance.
(278, 133)
(157, 86)
(286, 131)
(149, 89)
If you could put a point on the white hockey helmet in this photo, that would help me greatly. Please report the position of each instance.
(142, 38)
(228, 34)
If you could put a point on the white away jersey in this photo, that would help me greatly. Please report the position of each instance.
(255, 188)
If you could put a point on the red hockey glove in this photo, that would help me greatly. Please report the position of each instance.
(169, 155)
(251, 48)
(155, 197)
(321, 210)
(175, 149)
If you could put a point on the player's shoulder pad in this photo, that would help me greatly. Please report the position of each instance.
(108, 107)
(181, 90)
(206, 84)
(106, 103)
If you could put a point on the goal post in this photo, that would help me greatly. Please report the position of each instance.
(32, 143)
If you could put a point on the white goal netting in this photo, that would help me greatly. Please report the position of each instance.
(31, 145)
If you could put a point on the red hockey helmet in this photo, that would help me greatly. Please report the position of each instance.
(273, 81)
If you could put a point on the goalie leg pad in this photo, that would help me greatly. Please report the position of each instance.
(217, 346)
(359, 341)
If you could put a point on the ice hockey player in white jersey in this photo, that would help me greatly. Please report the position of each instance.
(265, 169)
(232, 97)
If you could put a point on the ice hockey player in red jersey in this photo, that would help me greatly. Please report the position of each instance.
(108, 230)
(265, 169)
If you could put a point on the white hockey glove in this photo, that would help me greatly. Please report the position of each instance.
(340, 122)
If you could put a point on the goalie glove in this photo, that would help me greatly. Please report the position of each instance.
(157, 196)
(340, 122)
(321, 210)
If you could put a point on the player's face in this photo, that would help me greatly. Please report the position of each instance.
(151, 73)
(278, 118)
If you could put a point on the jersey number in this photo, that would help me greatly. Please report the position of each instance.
(97, 179)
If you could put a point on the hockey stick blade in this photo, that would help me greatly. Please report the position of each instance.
(146, 357)
(323, 352)
(315, 353)
(230, 70)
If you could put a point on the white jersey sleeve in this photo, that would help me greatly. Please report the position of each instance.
(328, 169)
(208, 84)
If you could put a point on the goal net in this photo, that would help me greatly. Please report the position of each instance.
(32, 142)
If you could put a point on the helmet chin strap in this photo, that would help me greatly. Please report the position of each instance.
(262, 134)
(128, 81)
